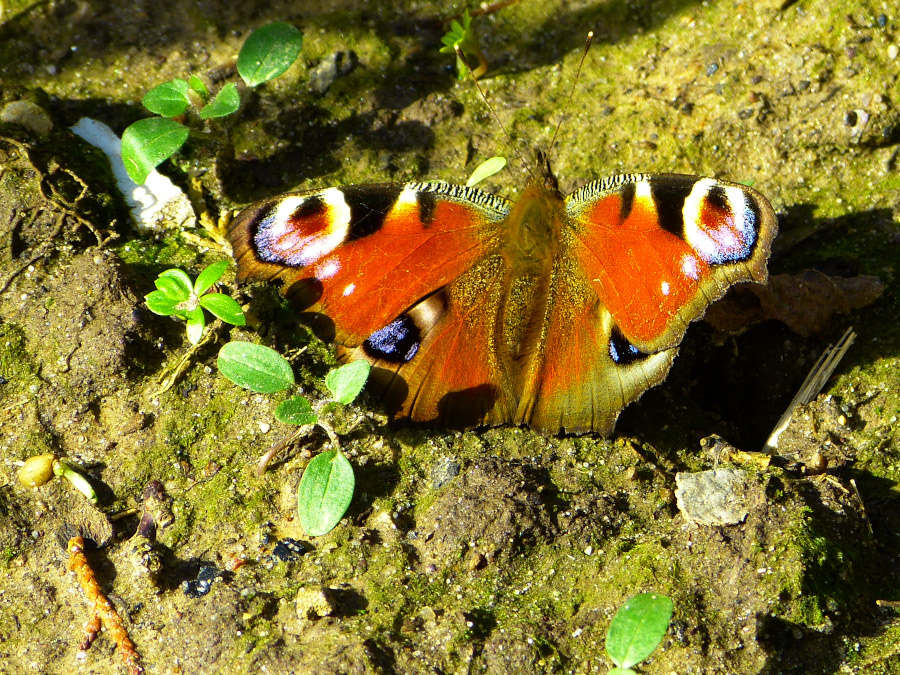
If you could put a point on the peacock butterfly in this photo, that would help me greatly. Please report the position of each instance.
(555, 312)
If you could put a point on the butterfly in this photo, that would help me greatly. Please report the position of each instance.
(554, 312)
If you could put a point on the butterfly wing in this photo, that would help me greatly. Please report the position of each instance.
(402, 275)
(642, 256)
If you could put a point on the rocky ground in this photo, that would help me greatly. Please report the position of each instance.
(495, 550)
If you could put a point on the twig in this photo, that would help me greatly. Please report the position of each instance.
(812, 385)
(862, 505)
(17, 404)
(102, 609)
(273, 452)
(168, 381)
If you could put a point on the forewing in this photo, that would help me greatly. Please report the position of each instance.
(407, 277)
(658, 249)
(359, 257)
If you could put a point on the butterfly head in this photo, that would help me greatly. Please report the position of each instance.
(545, 176)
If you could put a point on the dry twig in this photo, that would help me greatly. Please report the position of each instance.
(102, 610)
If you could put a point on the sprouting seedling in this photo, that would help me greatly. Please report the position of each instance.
(636, 630)
(326, 488)
(267, 53)
(40, 469)
(461, 38)
(176, 295)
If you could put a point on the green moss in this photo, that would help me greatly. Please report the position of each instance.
(826, 582)
(8, 554)
(16, 363)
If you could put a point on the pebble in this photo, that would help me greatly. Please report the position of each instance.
(205, 578)
(315, 603)
(27, 114)
(712, 497)
(475, 560)
(443, 471)
(330, 68)
(289, 549)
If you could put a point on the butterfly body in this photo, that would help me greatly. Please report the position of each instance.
(552, 311)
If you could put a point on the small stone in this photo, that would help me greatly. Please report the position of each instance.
(712, 497)
(205, 578)
(893, 51)
(29, 115)
(443, 471)
(315, 603)
(475, 560)
(816, 464)
(289, 549)
(330, 68)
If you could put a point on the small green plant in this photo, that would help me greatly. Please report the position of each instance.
(40, 469)
(267, 53)
(175, 295)
(461, 40)
(326, 488)
(636, 630)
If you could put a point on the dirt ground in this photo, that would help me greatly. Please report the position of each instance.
(488, 551)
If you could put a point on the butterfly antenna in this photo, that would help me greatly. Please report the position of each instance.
(587, 46)
(465, 62)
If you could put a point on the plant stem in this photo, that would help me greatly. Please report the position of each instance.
(77, 479)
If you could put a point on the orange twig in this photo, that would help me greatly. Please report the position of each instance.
(102, 609)
(91, 631)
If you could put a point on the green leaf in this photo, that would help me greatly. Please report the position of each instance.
(160, 303)
(168, 99)
(621, 671)
(463, 37)
(196, 322)
(178, 277)
(198, 87)
(456, 35)
(146, 143)
(209, 276)
(255, 367)
(227, 101)
(325, 492)
(224, 307)
(268, 52)
(297, 411)
(171, 289)
(346, 382)
(638, 628)
(486, 169)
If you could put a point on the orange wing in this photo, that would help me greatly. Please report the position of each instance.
(403, 275)
(641, 256)
(472, 311)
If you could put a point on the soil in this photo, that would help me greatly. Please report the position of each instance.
(491, 550)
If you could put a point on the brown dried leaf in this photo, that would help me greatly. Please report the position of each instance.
(804, 302)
